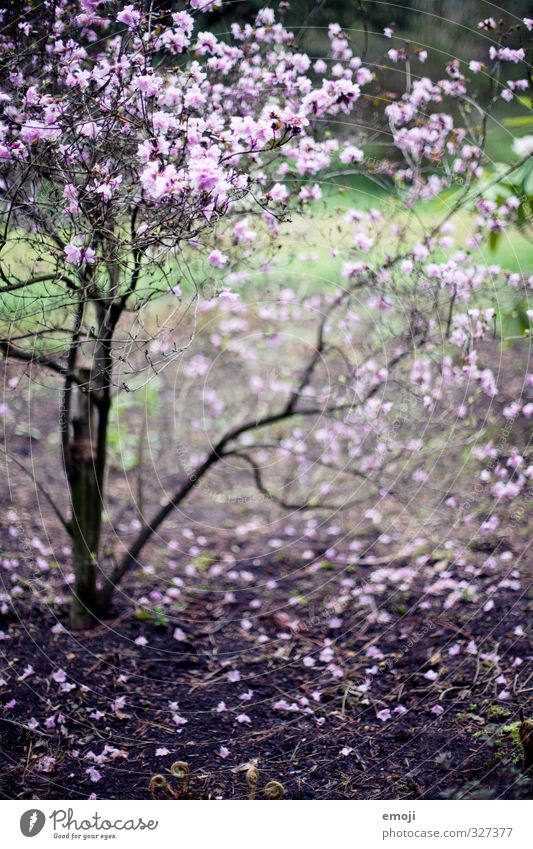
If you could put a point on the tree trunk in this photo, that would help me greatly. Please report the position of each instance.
(87, 507)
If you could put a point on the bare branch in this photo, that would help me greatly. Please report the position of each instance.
(66, 524)
(15, 353)
(40, 278)
(287, 505)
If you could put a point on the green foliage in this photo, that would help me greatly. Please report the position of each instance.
(521, 120)
(202, 562)
(157, 616)
(125, 445)
(498, 712)
(513, 731)
(515, 321)
(499, 186)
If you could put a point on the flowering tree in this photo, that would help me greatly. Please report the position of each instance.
(131, 145)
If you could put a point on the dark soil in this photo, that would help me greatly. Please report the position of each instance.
(468, 750)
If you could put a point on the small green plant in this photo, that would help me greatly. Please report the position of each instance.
(202, 562)
(525, 733)
(160, 788)
(498, 712)
(513, 731)
(180, 770)
(157, 616)
(252, 778)
(274, 790)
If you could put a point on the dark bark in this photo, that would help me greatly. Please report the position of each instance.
(86, 510)
(87, 466)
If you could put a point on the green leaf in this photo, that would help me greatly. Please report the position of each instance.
(518, 121)
(525, 101)
(494, 239)
(143, 616)
(528, 182)
(524, 211)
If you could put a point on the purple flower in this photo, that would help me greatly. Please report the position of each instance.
(129, 16)
(217, 259)
(384, 714)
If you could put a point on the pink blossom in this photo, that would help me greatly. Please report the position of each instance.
(118, 704)
(374, 652)
(217, 259)
(327, 654)
(148, 84)
(243, 718)
(278, 192)
(384, 714)
(227, 295)
(310, 193)
(73, 254)
(129, 16)
(437, 710)
(59, 676)
(89, 129)
(233, 676)
(507, 54)
(46, 764)
(350, 154)
(28, 671)
(204, 5)
(77, 256)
